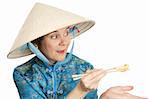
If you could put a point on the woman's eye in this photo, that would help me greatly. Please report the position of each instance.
(53, 36)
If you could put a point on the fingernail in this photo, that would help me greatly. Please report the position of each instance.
(127, 88)
(130, 86)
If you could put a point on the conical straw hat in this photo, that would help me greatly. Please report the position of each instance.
(42, 20)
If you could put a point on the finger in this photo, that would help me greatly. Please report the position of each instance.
(89, 72)
(95, 81)
(98, 77)
(111, 95)
(126, 88)
(87, 81)
(134, 97)
(92, 70)
(120, 89)
(94, 86)
(93, 74)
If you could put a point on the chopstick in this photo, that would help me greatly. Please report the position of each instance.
(78, 76)
(123, 68)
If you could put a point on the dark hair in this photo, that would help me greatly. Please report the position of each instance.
(37, 41)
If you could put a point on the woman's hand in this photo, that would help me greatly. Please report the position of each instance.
(119, 92)
(91, 79)
(87, 83)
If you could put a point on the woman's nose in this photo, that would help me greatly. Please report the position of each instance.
(63, 41)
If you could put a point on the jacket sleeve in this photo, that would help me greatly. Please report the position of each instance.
(91, 95)
(25, 90)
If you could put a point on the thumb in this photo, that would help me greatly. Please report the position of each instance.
(127, 88)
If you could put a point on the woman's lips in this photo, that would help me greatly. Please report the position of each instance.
(61, 51)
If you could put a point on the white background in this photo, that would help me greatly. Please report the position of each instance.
(121, 35)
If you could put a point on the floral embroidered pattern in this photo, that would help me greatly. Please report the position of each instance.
(34, 80)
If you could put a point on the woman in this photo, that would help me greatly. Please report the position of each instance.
(47, 32)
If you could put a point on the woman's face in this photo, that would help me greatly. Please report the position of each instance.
(54, 45)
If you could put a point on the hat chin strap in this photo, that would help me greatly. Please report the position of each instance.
(37, 52)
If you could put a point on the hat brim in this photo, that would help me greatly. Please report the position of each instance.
(23, 50)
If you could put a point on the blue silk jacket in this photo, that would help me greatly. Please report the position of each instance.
(34, 80)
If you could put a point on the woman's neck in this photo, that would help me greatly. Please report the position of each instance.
(51, 62)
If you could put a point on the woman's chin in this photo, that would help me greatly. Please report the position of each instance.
(61, 58)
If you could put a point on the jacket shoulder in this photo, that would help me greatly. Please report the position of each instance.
(23, 68)
(81, 62)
